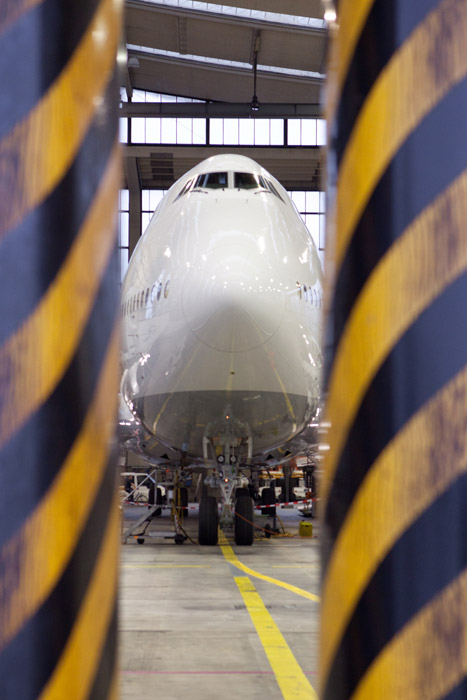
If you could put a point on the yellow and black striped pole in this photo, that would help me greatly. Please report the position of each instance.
(394, 613)
(59, 176)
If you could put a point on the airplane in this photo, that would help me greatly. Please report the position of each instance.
(221, 316)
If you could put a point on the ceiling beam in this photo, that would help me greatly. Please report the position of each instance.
(223, 17)
(305, 8)
(295, 167)
(219, 110)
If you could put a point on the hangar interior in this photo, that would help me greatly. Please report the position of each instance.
(198, 79)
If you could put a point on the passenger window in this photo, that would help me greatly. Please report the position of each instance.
(212, 181)
(246, 181)
(159, 290)
(147, 297)
(305, 292)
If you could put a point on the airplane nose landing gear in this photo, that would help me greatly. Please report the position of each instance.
(227, 440)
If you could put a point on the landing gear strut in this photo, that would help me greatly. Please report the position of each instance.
(225, 441)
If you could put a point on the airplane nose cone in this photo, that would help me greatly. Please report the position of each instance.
(233, 302)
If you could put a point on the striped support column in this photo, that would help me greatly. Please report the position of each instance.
(394, 613)
(59, 177)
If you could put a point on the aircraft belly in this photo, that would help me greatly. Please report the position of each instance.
(274, 389)
(179, 419)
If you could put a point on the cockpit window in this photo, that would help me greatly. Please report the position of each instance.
(212, 181)
(273, 189)
(251, 181)
(247, 181)
(185, 188)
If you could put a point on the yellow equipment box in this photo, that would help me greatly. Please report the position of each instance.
(305, 529)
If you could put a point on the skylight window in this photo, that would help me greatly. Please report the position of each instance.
(258, 15)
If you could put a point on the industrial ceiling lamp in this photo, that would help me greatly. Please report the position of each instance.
(254, 105)
(329, 10)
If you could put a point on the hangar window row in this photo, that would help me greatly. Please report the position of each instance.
(225, 131)
(217, 131)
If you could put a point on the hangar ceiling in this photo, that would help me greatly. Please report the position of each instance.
(207, 51)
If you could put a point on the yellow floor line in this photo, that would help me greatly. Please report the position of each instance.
(292, 681)
(293, 566)
(166, 566)
(229, 554)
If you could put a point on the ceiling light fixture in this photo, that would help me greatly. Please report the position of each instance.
(254, 105)
(330, 14)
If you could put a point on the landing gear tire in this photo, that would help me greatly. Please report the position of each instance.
(208, 521)
(244, 528)
(242, 491)
(268, 497)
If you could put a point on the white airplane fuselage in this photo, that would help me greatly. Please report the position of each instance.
(221, 307)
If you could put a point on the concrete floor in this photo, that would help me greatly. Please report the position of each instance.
(185, 630)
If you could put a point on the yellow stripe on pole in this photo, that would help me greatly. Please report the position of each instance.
(12, 10)
(74, 674)
(395, 294)
(42, 146)
(46, 541)
(34, 359)
(390, 500)
(229, 554)
(409, 87)
(351, 20)
(292, 681)
(427, 658)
